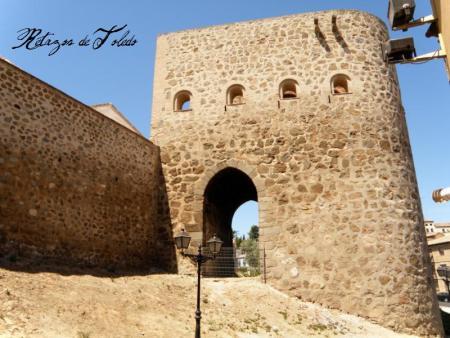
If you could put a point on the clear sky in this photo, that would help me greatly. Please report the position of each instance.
(124, 75)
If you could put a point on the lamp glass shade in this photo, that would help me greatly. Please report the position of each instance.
(182, 239)
(214, 245)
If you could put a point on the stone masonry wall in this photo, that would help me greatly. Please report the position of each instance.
(74, 185)
(339, 210)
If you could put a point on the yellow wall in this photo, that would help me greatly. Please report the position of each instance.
(441, 10)
(440, 254)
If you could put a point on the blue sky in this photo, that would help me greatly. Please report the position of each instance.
(124, 75)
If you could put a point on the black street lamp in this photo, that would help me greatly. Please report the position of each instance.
(444, 271)
(182, 241)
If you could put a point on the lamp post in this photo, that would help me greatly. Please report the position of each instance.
(182, 241)
(444, 271)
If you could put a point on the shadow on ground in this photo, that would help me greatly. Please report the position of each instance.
(39, 265)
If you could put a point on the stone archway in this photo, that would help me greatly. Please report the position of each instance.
(224, 193)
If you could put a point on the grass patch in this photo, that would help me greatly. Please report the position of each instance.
(284, 314)
(318, 327)
(298, 321)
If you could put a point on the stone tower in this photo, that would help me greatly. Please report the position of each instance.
(301, 114)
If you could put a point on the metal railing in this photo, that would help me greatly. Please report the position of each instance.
(223, 265)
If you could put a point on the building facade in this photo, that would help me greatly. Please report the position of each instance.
(439, 249)
(302, 115)
(432, 228)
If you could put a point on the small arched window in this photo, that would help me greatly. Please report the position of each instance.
(235, 95)
(182, 101)
(339, 84)
(288, 89)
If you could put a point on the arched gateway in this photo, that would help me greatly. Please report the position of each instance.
(225, 192)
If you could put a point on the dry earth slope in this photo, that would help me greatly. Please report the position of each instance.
(69, 304)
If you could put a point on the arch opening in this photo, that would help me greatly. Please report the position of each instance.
(288, 89)
(339, 84)
(182, 101)
(246, 240)
(244, 218)
(235, 95)
(224, 194)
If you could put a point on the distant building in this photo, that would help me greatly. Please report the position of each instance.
(109, 110)
(439, 248)
(241, 259)
(432, 228)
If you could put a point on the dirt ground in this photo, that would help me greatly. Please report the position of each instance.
(49, 303)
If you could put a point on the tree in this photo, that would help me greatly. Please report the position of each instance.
(254, 232)
(237, 239)
(250, 248)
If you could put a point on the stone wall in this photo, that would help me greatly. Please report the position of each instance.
(339, 209)
(74, 184)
